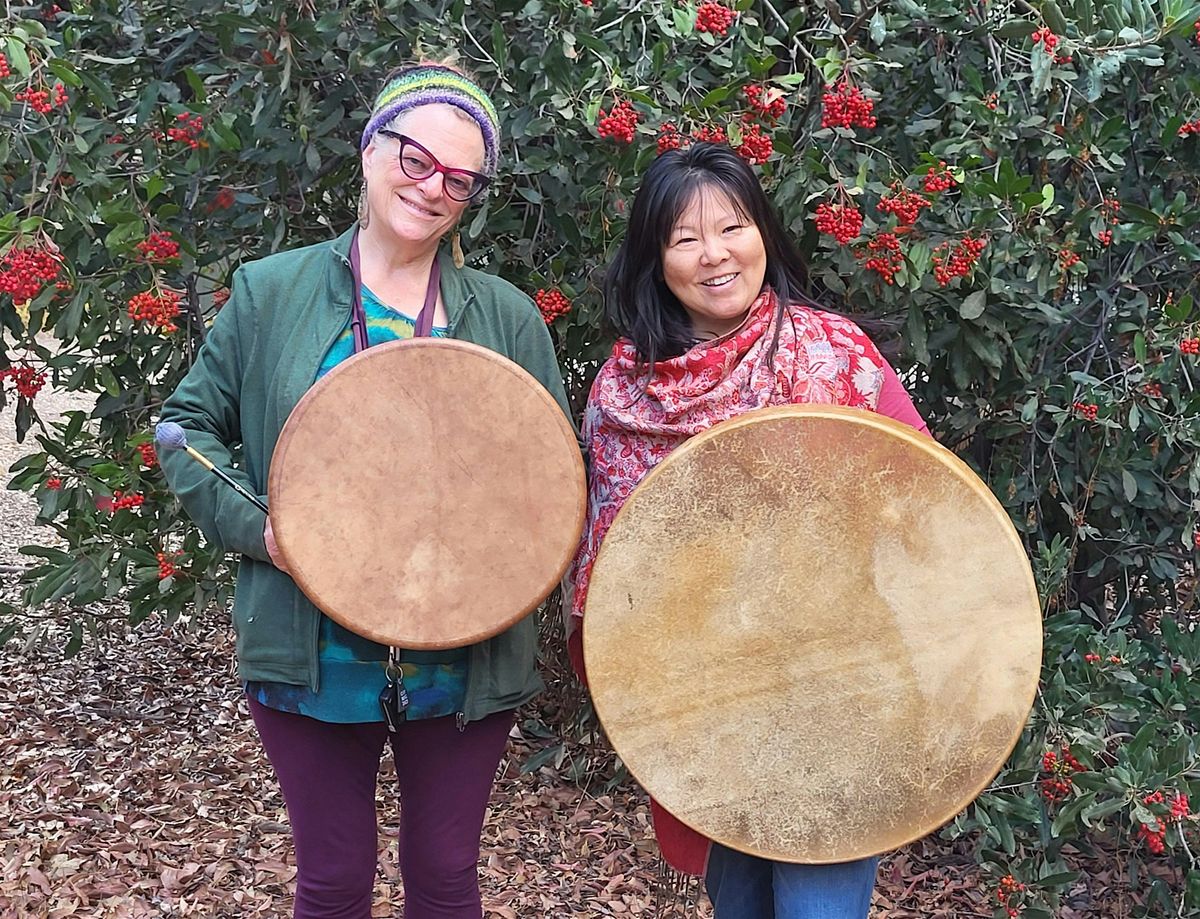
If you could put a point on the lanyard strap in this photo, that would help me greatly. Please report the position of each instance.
(358, 318)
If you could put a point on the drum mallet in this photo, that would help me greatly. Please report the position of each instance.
(170, 436)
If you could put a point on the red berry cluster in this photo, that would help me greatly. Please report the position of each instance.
(158, 247)
(5, 70)
(41, 101)
(1105, 237)
(669, 137)
(158, 309)
(1092, 658)
(712, 134)
(1189, 127)
(187, 130)
(223, 200)
(1153, 390)
(769, 103)
(1009, 895)
(1047, 38)
(121, 501)
(714, 18)
(220, 297)
(841, 221)
(27, 381)
(24, 271)
(149, 455)
(620, 123)
(1067, 258)
(553, 303)
(1190, 346)
(1085, 410)
(845, 106)
(1153, 836)
(1059, 767)
(904, 204)
(1197, 28)
(54, 483)
(948, 265)
(884, 256)
(586, 2)
(756, 147)
(939, 178)
(166, 564)
(50, 12)
(992, 101)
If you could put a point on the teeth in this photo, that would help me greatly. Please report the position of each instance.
(716, 282)
(418, 208)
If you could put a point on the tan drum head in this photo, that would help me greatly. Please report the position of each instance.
(427, 493)
(812, 634)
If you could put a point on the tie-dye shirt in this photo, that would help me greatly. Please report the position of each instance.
(352, 667)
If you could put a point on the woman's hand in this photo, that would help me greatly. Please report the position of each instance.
(273, 548)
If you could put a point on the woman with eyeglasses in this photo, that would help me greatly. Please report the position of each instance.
(429, 149)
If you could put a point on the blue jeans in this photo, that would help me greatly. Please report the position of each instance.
(748, 887)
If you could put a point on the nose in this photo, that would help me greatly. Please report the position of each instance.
(433, 185)
(714, 251)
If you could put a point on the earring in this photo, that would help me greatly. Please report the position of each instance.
(456, 251)
(364, 212)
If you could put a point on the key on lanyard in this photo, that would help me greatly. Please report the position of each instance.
(393, 698)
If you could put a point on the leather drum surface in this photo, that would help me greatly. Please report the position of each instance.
(812, 634)
(427, 493)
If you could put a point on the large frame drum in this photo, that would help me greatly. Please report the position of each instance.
(812, 634)
(427, 493)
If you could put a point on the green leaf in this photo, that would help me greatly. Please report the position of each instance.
(973, 305)
(1054, 17)
(1129, 485)
(1016, 28)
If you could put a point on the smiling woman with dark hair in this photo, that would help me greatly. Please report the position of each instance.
(707, 294)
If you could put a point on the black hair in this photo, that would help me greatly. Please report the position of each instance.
(637, 301)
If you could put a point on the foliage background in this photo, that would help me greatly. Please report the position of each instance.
(997, 359)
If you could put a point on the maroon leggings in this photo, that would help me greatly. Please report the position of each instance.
(328, 774)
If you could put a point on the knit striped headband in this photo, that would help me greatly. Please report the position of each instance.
(430, 84)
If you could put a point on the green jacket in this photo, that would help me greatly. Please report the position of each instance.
(262, 353)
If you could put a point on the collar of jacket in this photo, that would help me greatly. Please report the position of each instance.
(456, 296)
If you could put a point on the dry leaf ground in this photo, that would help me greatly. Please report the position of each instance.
(132, 785)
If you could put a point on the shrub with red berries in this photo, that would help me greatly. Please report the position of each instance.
(768, 102)
(27, 381)
(149, 455)
(1085, 410)
(1189, 127)
(756, 147)
(620, 123)
(166, 564)
(958, 260)
(883, 256)
(187, 130)
(669, 137)
(552, 303)
(5, 70)
(903, 204)
(24, 271)
(1058, 769)
(222, 200)
(845, 106)
(939, 178)
(54, 483)
(1010, 895)
(122, 501)
(158, 247)
(712, 134)
(156, 309)
(714, 18)
(841, 221)
(1047, 39)
(41, 100)
(1190, 346)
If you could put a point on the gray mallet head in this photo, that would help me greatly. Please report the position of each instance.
(170, 436)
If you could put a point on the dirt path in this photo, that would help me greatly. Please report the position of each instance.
(133, 785)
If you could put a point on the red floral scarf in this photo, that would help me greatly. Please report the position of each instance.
(820, 358)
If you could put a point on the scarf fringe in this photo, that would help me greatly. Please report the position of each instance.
(676, 894)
